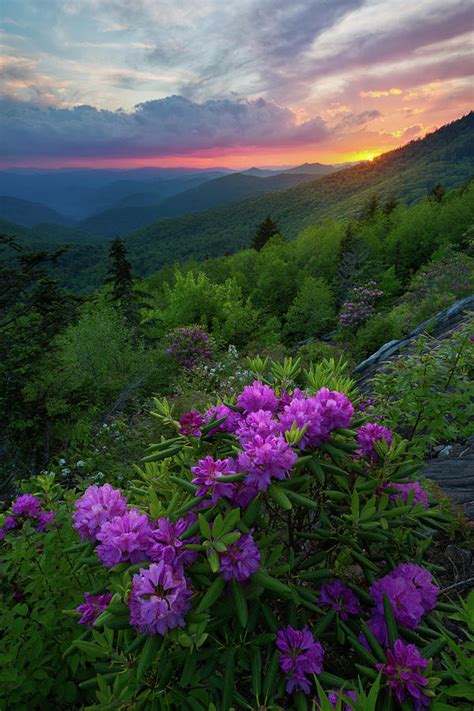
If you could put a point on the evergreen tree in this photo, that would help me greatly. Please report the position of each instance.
(353, 254)
(437, 193)
(370, 209)
(119, 274)
(265, 230)
(390, 204)
(124, 293)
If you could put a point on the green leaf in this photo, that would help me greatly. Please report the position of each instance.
(212, 595)
(148, 654)
(204, 527)
(390, 620)
(272, 585)
(228, 691)
(240, 603)
(279, 496)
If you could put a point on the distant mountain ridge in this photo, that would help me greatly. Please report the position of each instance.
(408, 173)
(29, 213)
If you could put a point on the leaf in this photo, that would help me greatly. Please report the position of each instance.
(240, 603)
(204, 527)
(279, 496)
(390, 620)
(148, 654)
(212, 595)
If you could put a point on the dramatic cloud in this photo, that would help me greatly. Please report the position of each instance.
(208, 76)
(165, 126)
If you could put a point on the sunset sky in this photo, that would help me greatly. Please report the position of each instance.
(236, 83)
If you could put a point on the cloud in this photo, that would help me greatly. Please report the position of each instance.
(160, 127)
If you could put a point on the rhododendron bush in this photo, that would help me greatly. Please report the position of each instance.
(269, 554)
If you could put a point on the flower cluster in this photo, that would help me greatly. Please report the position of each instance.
(404, 491)
(191, 422)
(300, 654)
(360, 306)
(404, 671)
(241, 560)
(93, 607)
(337, 596)
(159, 599)
(167, 545)
(321, 414)
(26, 508)
(124, 538)
(189, 346)
(411, 592)
(232, 420)
(266, 459)
(367, 436)
(207, 474)
(257, 397)
(98, 505)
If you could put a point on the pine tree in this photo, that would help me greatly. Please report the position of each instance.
(127, 298)
(264, 231)
(437, 193)
(370, 209)
(352, 255)
(389, 205)
(119, 274)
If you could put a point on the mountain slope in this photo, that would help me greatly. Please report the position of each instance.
(28, 214)
(206, 195)
(447, 155)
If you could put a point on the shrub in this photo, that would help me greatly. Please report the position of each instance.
(270, 556)
(428, 394)
(374, 333)
(312, 311)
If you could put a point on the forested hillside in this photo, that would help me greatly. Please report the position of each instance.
(407, 173)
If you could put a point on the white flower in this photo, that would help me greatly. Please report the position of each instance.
(62, 461)
(80, 463)
(105, 426)
(65, 471)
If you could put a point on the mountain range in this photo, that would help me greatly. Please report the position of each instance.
(294, 200)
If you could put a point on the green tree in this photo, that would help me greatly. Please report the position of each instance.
(265, 230)
(312, 311)
(437, 193)
(370, 209)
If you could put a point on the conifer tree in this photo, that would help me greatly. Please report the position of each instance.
(352, 255)
(370, 209)
(127, 298)
(437, 193)
(265, 230)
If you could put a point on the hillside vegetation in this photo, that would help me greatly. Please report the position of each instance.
(408, 173)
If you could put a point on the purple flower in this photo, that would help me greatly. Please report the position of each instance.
(243, 493)
(124, 538)
(257, 397)
(260, 423)
(339, 597)
(336, 694)
(191, 422)
(378, 627)
(44, 517)
(367, 436)
(404, 670)
(93, 607)
(167, 546)
(207, 474)
(231, 423)
(300, 654)
(265, 459)
(241, 559)
(159, 599)
(403, 492)
(411, 593)
(322, 413)
(27, 506)
(10, 523)
(98, 505)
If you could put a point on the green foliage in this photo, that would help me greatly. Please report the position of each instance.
(312, 311)
(37, 584)
(429, 393)
(374, 333)
(265, 230)
(220, 308)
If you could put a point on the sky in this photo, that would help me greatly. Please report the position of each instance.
(236, 83)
